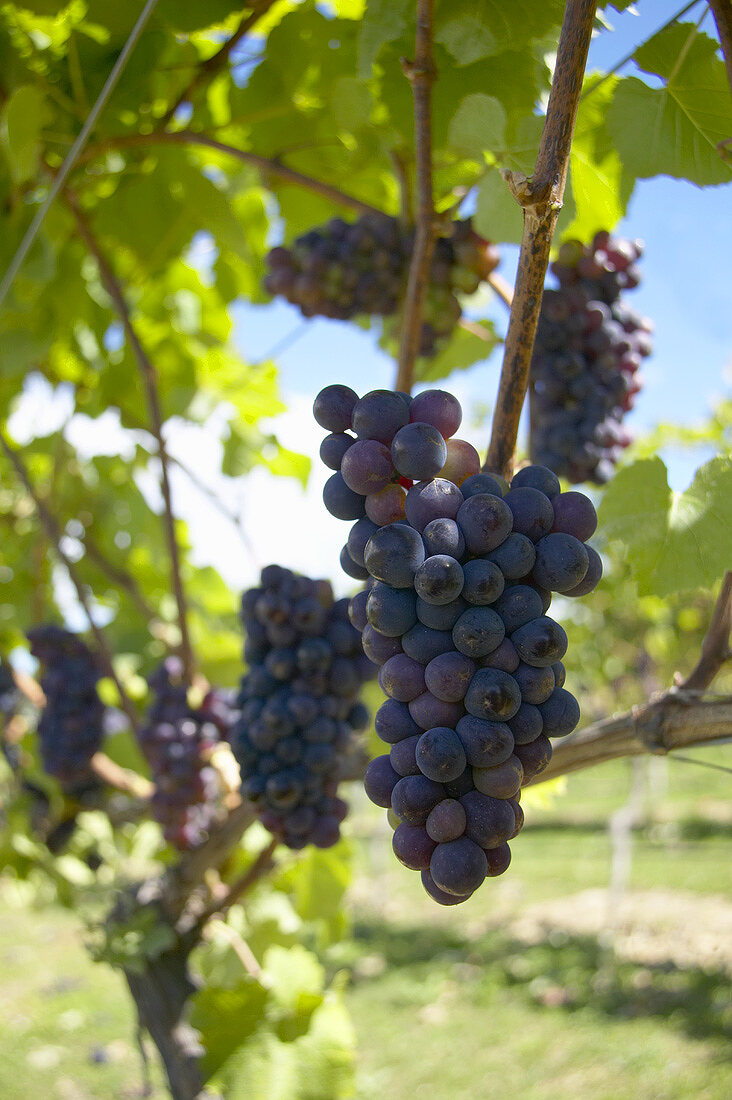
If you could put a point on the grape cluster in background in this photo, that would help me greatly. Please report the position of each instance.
(176, 740)
(588, 350)
(345, 269)
(460, 570)
(8, 690)
(299, 705)
(71, 725)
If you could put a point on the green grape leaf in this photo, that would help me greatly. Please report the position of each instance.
(479, 126)
(383, 22)
(675, 542)
(318, 881)
(497, 215)
(224, 1018)
(465, 348)
(294, 977)
(601, 187)
(23, 119)
(674, 130)
(475, 29)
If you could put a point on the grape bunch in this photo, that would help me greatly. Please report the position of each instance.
(299, 707)
(344, 269)
(71, 726)
(175, 742)
(8, 691)
(589, 347)
(454, 613)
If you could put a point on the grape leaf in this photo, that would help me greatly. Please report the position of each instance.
(497, 216)
(474, 29)
(224, 1018)
(465, 348)
(601, 187)
(478, 126)
(675, 542)
(674, 130)
(24, 117)
(383, 22)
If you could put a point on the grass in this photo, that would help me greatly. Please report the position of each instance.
(457, 1004)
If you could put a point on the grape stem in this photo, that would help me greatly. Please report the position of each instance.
(421, 74)
(268, 166)
(674, 719)
(261, 866)
(122, 779)
(207, 69)
(152, 393)
(55, 538)
(722, 14)
(501, 288)
(541, 197)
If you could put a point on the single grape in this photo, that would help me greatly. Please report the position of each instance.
(485, 522)
(418, 451)
(439, 408)
(540, 642)
(486, 744)
(413, 846)
(560, 713)
(490, 821)
(484, 581)
(459, 866)
(448, 676)
(462, 461)
(394, 723)
(443, 536)
(447, 821)
(394, 555)
(439, 579)
(502, 780)
(367, 466)
(477, 632)
(380, 781)
(333, 407)
(440, 754)
(493, 695)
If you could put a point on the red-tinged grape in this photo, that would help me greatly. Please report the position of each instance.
(498, 859)
(462, 461)
(429, 500)
(386, 506)
(367, 466)
(439, 408)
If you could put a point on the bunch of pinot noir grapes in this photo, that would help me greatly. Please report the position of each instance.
(8, 691)
(460, 571)
(176, 741)
(299, 707)
(344, 269)
(589, 347)
(71, 726)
